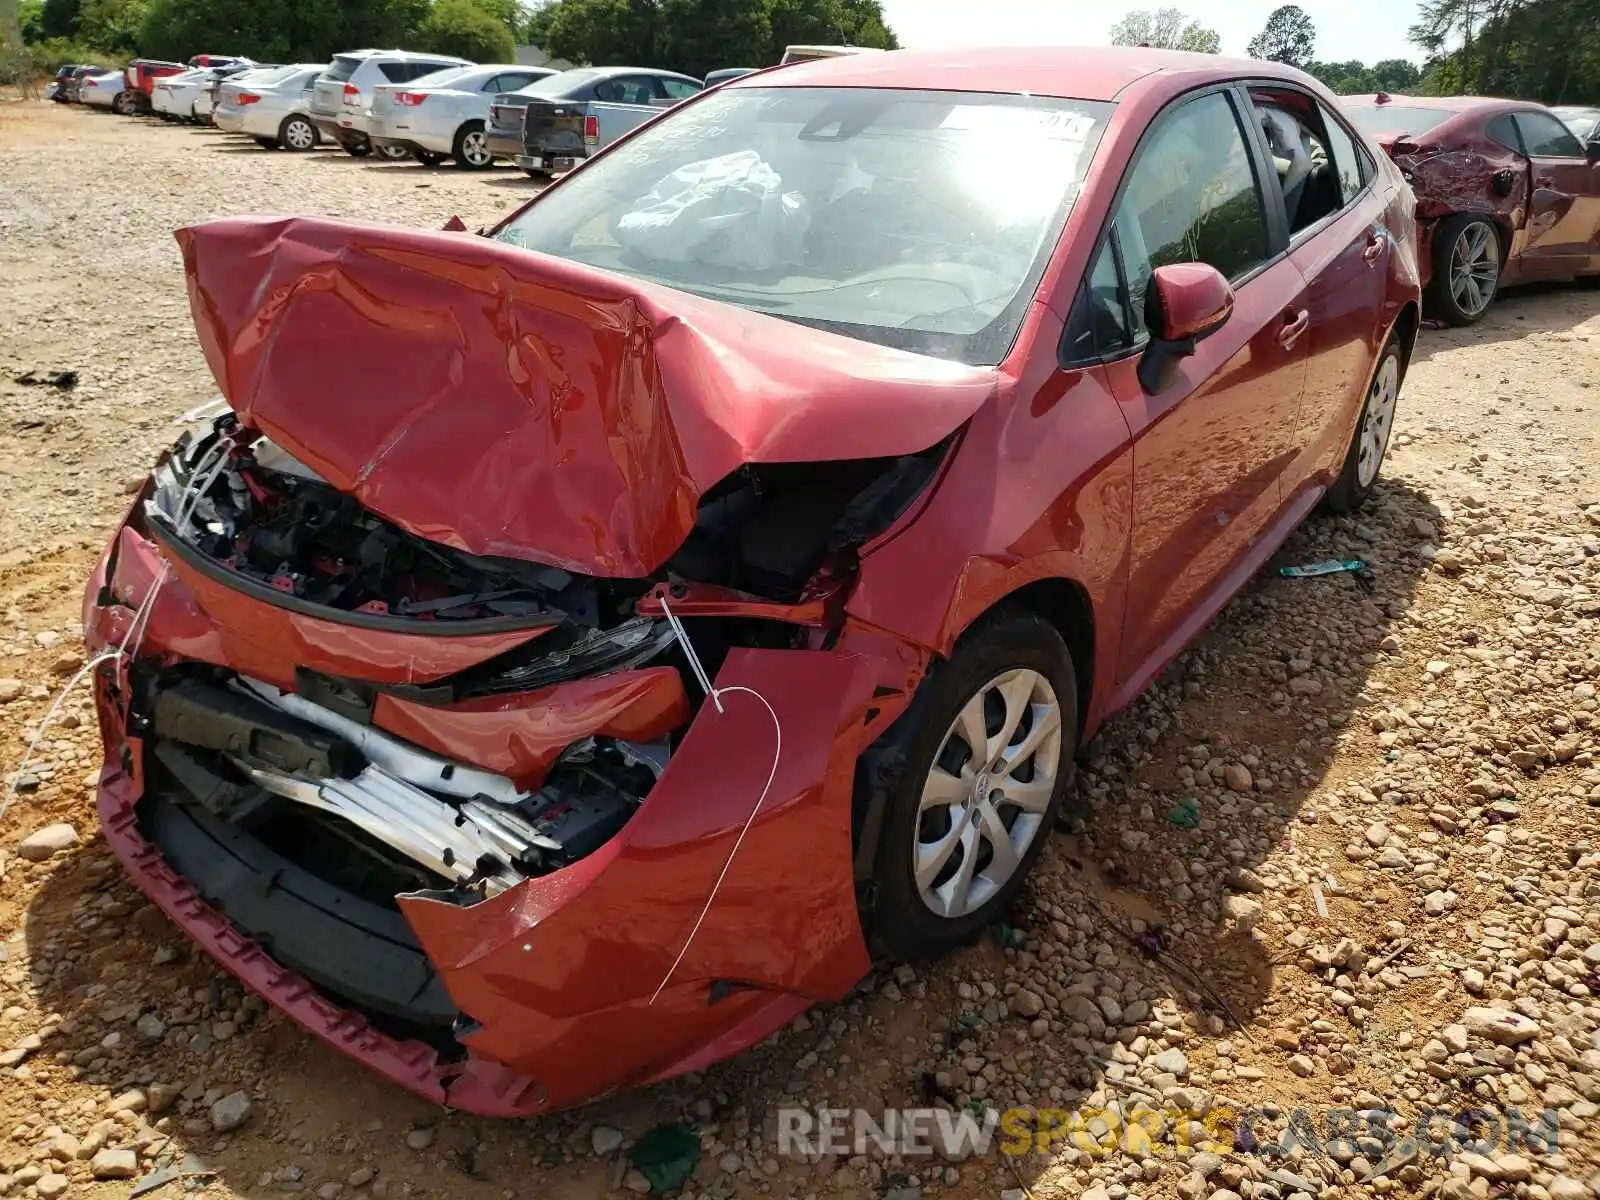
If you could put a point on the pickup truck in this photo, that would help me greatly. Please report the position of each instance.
(556, 123)
(141, 75)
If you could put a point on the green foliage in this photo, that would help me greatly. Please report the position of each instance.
(59, 18)
(1289, 37)
(1165, 29)
(696, 36)
(50, 54)
(30, 20)
(1547, 50)
(467, 30)
(1354, 78)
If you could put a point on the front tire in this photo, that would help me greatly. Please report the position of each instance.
(1364, 460)
(297, 134)
(267, 143)
(122, 105)
(1466, 269)
(428, 158)
(985, 750)
(472, 148)
(357, 147)
(393, 153)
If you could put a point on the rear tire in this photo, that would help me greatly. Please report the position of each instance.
(267, 143)
(357, 147)
(472, 148)
(963, 824)
(392, 153)
(297, 134)
(1466, 269)
(428, 158)
(122, 105)
(1364, 460)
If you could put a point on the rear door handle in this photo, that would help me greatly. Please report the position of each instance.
(1294, 324)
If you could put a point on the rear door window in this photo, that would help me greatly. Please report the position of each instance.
(627, 89)
(1546, 137)
(679, 89)
(1348, 166)
(1503, 131)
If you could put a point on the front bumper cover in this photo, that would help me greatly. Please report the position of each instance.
(660, 953)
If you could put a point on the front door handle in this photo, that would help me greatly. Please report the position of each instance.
(1294, 324)
(1374, 248)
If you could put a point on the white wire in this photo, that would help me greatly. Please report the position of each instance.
(715, 695)
(777, 755)
(134, 637)
(49, 716)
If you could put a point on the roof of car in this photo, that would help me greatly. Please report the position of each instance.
(1077, 72)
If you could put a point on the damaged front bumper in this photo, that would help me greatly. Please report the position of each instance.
(511, 985)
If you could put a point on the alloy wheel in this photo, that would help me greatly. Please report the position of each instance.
(1474, 268)
(1378, 420)
(985, 797)
(475, 148)
(394, 153)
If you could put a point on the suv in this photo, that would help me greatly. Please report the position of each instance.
(342, 95)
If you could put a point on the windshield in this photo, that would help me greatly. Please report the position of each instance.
(1375, 120)
(915, 219)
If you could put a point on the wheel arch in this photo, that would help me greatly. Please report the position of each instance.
(1066, 605)
(1407, 325)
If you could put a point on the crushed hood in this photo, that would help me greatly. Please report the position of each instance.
(508, 403)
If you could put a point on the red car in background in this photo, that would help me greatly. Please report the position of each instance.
(711, 573)
(1506, 193)
(142, 74)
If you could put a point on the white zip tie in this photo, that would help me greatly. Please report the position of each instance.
(715, 696)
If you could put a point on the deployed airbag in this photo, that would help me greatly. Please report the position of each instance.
(729, 211)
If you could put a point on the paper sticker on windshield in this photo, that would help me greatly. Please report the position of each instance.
(1048, 122)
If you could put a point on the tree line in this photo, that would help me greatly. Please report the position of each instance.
(694, 36)
(1547, 50)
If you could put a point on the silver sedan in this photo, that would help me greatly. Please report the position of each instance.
(271, 106)
(442, 115)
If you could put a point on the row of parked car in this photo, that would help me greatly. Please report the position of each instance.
(398, 104)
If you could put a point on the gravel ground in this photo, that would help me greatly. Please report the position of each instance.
(1346, 854)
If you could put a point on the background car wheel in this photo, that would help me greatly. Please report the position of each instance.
(984, 756)
(267, 143)
(122, 105)
(472, 147)
(1364, 459)
(1466, 269)
(357, 147)
(297, 133)
(428, 158)
(393, 153)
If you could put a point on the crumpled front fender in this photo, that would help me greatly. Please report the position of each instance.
(729, 893)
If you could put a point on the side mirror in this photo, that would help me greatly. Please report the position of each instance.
(1187, 302)
(1591, 150)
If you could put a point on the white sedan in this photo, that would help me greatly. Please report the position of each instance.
(442, 115)
(103, 90)
(271, 105)
(172, 97)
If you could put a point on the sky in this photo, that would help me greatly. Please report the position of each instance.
(1370, 30)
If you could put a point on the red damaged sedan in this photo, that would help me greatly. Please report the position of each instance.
(1506, 194)
(575, 650)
